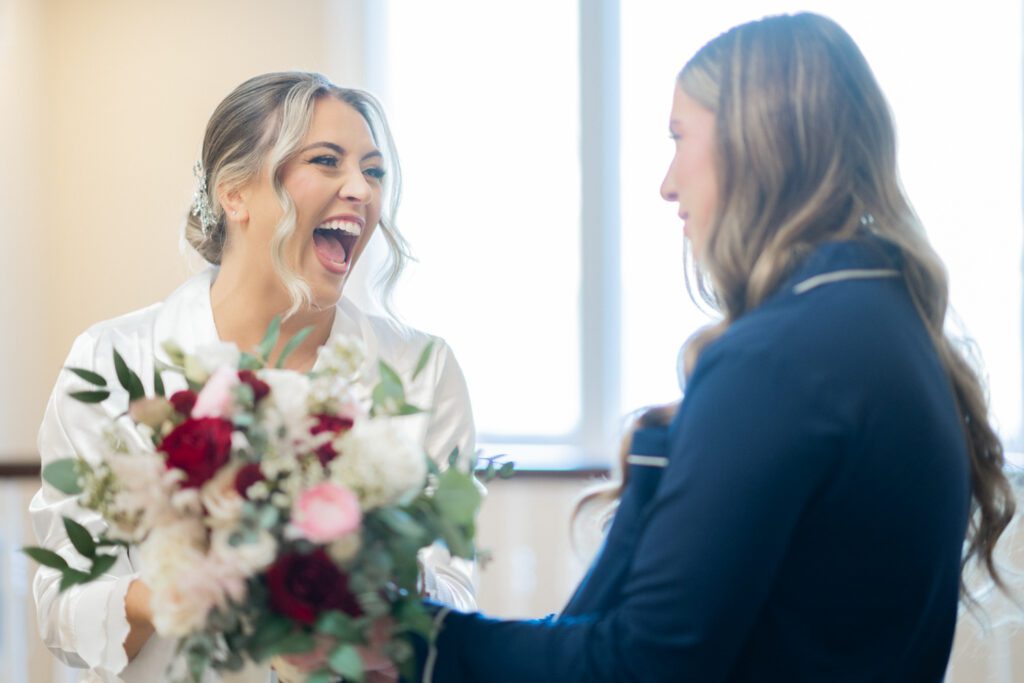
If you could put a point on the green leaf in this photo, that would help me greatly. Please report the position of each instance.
(45, 557)
(453, 458)
(90, 396)
(63, 476)
(89, 376)
(270, 629)
(322, 676)
(80, 538)
(345, 661)
(507, 470)
(424, 359)
(389, 394)
(399, 521)
(249, 362)
(128, 379)
(270, 339)
(158, 383)
(292, 644)
(293, 344)
(101, 564)
(269, 516)
(340, 625)
(409, 409)
(69, 577)
(457, 497)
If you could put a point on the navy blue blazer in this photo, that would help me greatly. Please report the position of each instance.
(808, 522)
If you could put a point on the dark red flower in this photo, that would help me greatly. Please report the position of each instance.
(335, 424)
(198, 448)
(260, 389)
(303, 586)
(183, 401)
(248, 475)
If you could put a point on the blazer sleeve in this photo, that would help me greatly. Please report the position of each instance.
(748, 448)
(86, 625)
(447, 579)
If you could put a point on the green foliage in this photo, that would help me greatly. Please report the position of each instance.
(45, 557)
(266, 346)
(63, 475)
(89, 376)
(345, 660)
(80, 538)
(128, 379)
(424, 359)
(90, 396)
(293, 344)
(158, 383)
(457, 497)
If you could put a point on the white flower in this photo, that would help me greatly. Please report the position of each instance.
(221, 500)
(342, 356)
(141, 495)
(207, 358)
(186, 582)
(249, 558)
(288, 403)
(380, 462)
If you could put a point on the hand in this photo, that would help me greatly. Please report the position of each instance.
(139, 611)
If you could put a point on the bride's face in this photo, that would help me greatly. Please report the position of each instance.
(334, 181)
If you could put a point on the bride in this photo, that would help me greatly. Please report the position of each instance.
(296, 176)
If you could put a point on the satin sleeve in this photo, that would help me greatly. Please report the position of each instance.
(85, 626)
(446, 579)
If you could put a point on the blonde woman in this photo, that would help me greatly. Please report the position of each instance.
(803, 516)
(295, 178)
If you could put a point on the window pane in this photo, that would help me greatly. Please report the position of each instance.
(483, 99)
(958, 115)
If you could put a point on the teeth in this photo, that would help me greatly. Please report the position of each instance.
(351, 227)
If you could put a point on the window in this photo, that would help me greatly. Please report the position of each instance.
(533, 142)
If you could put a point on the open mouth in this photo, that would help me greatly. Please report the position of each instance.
(334, 242)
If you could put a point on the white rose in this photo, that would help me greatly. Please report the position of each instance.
(221, 500)
(141, 497)
(380, 462)
(249, 558)
(208, 357)
(342, 356)
(288, 399)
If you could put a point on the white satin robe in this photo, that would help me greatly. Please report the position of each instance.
(86, 625)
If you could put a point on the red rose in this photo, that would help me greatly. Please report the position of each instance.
(334, 424)
(260, 389)
(248, 475)
(184, 402)
(303, 586)
(199, 448)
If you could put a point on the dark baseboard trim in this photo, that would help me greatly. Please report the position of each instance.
(21, 468)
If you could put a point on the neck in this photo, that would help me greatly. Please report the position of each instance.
(244, 305)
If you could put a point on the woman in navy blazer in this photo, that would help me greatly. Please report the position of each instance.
(803, 516)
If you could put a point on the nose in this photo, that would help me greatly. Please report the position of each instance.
(355, 188)
(668, 189)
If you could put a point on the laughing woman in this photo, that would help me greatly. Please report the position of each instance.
(296, 176)
(803, 516)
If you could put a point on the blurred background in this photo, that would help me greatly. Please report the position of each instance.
(533, 138)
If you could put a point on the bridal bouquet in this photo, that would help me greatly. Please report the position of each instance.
(275, 512)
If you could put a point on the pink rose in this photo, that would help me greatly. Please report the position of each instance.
(217, 398)
(326, 512)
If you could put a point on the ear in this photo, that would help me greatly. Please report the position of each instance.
(235, 206)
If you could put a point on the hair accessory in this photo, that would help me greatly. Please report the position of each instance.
(201, 206)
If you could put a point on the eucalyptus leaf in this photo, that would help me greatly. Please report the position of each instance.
(453, 458)
(292, 644)
(101, 564)
(45, 557)
(249, 362)
(507, 470)
(340, 625)
(322, 676)
(293, 344)
(69, 577)
(80, 538)
(345, 660)
(399, 521)
(90, 396)
(158, 383)
(89, 376)
(63, 475)
(270, 629)
(270, 339)
(409, 409)
(424, 359)
(128, 379)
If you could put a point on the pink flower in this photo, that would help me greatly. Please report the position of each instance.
(326, 512)
(217, 398)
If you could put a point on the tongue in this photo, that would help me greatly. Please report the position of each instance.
(329, 246)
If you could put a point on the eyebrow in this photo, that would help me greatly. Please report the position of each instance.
(340, 150)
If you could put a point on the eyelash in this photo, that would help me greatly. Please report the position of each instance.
(332, 162)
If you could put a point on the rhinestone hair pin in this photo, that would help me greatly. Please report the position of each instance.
(201, 206)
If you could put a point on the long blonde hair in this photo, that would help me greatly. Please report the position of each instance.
(807, 154)
(266, 117)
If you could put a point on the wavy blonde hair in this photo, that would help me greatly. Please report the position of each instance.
(806, 152)
(264, 120)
